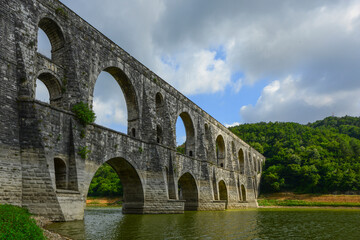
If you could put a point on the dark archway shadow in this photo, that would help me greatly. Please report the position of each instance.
(223, 192)
(133, 193)
(188, 191)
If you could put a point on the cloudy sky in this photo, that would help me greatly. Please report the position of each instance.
(241, 61)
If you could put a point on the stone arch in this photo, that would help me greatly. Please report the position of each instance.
(220, 151)
(241, 161)
(190, 133)
(223, 194)
(159, 103)
(55, 36)
(159, 134)
(53, 86)
(243, 193)
(188, 191)
(133, 199)
(60, 173)
(130, 96)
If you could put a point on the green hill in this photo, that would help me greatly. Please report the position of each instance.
(320, 157)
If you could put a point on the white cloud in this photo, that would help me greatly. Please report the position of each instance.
(196, 72)
(109, 103)
(232, 124)
(283, 100)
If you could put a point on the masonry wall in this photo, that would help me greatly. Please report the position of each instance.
(37, 139)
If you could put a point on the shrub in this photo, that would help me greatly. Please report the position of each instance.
(15, 223)
(83, 152)
(84, 114)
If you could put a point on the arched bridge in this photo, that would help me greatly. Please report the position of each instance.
(48, 158)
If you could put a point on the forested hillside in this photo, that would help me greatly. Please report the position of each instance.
(321, 157)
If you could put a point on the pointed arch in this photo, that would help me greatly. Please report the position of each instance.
(188, 191)
(61, 173)
(56, 38)
(159, 134)
(130, 97)
(159, 103)
(243, 193)
(53, 32)
(220, 151)
(241, 161)
(223, 193)
(190, 133)
(53, 86)
(133, 192)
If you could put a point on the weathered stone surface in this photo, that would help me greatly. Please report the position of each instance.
(40, 164)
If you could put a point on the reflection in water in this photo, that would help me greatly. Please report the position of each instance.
(111, 224)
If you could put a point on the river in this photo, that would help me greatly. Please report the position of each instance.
(111, 224)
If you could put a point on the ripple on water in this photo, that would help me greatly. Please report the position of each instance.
(111, 224)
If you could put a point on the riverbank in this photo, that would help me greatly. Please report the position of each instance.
(104, 202)
(289, 199)
(49, 235)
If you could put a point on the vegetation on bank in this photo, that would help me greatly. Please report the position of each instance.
(321, 157)
(293, 203)
(16, 223)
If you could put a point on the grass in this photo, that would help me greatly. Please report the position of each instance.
(309, 200)
(16, 223)
(274, 202)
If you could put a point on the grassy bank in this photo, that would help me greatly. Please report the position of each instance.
(104, 202)
(16, 223)
(309, 200)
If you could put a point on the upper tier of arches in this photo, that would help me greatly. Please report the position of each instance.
(151, 103)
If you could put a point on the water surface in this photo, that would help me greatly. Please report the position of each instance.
(111, 224)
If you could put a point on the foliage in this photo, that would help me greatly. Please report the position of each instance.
(321, 157)
(106, 182)
(83, 152)
(84, 114)
(60, 11)
(15, 223)
(181, 148)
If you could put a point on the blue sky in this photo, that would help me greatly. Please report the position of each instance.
(241, 61)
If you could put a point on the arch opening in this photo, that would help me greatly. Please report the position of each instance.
(48, 89)
(61, 177)
(159, 134)
(115, 102)
(243, 193)
(159, 102)
(241, 161)
(220, 151)
(185, 135)
(50, 33)
(126, 184)
(223, 195)
(188, 191)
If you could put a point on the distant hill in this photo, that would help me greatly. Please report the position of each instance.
(320, 157)
(346, 125)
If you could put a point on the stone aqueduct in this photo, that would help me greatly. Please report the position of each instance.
(40, 164)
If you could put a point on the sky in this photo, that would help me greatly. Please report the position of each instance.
(241, 61)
